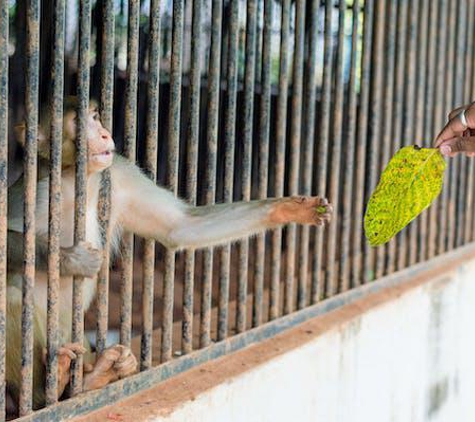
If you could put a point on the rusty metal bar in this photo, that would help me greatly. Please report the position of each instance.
(397, 246)
(192, 165)
(344, 277)
(54, 213)
(263, 136)
(280, 136)
(440, 113)
(248, 116)
(307, 170)
(130, 139)
(229, 141)
(294, 154)
(81, 182)
(386, 129)
(3, 193)
(387, 111)
(361, 143)
(331, 270)
(318, 278)
(459, 81)
(420, 137)
(106, 109)
(294, 158)
(214, 74)
(469, 68)
(430, 112)
(172, 174)
(450, 86)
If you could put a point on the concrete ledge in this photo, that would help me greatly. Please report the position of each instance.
(225, 389)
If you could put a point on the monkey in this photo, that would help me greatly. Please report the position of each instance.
(138, 205)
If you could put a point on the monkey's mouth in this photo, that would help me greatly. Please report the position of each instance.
(103, 157)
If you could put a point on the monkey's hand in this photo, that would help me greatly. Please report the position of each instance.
(81, 260)
(302, 210)
(115, 362)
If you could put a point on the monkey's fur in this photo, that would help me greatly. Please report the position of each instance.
(137, 205)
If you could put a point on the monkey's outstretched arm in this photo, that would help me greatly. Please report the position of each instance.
(81, 259)
(152, 211)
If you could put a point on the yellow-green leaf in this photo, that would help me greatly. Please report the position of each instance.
(410, 182)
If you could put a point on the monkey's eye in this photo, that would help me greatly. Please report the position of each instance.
(96, 116)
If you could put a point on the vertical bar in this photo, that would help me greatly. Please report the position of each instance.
(192, 165)
(54, 213)
(229, 140)
(323, 147)
(3, 192)
(30, 170)
(349, 155)
(172, 174)
(468, 85)
(459, 78)
(331, 270)
(280, 136)
(430, 112)
(397, 245)
(214, 76)
(420, 137)
(81, 182)
(150, 168)
(106, 109)
(440, 117)
(294, 155)
(130, 138)
(388, 93)
(308, 148)
(249, 83)
(264, 130)
(361, 142)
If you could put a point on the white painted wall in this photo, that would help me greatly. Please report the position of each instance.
(411, 359)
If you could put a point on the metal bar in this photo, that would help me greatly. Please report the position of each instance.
(397, 246)
(249, 84)
(361, 143)
(150, 168)
(280, 139)
(317, 292)
(30, 170)
(54, 213)
(418, 122)
(440, 115)
(347, 195)
(192, 165)
(469, 60)
(214, 75)
(3, 192)
(387, 111)
(450, 103)
(81, 182)
(263, 136)
(106, 109)
(308, 149)
(229, 141)
(440, 265)
(430, 111)
(130, 139)
(172, 174)
(294, 153)
(331, 270)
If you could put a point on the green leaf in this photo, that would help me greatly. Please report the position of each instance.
(411, 181)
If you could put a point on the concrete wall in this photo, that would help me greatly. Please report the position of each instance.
(407, 358)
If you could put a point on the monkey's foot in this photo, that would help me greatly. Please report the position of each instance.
(114, 363)
(302, 210)
(81, 259)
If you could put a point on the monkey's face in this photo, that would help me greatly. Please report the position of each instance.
(101, 146)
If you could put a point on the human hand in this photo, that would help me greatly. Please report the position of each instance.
(458, 135)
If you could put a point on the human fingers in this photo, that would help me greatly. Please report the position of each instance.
(456, 145)
(456, 126)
